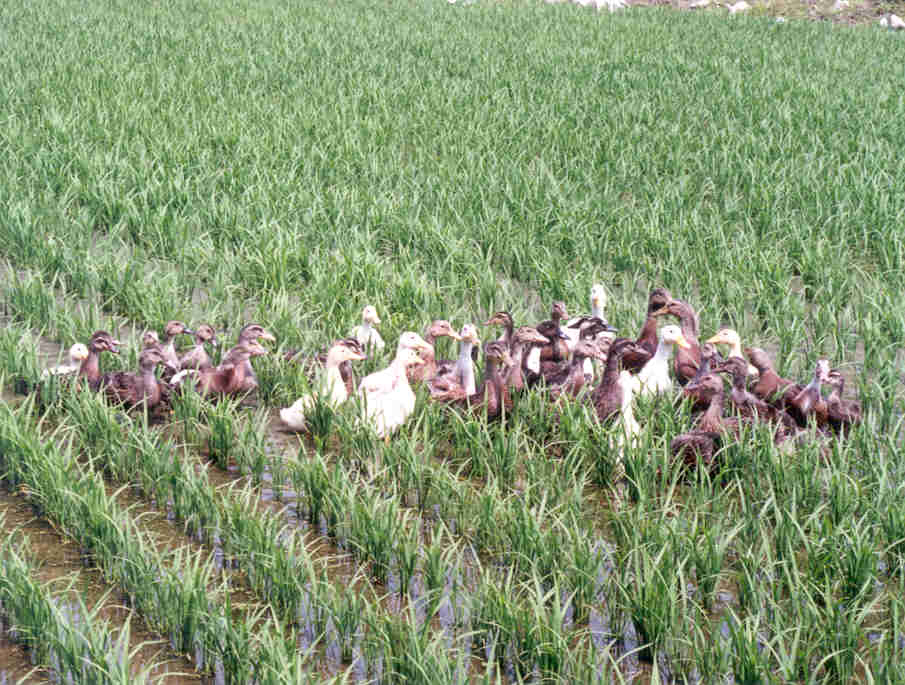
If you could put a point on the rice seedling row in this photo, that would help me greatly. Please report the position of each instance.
(69, 639)
(172, 593)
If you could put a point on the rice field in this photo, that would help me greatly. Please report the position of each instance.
(289, 163)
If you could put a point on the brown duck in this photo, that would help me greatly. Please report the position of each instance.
(197, 357)
(90, 370)
(428, 370)
(748, 405)
(557, 350)
(647, 341)
(711, 428)
(841, 414)
(687, 359)
(809, 402)
(771, 387)
(608, 395)
(492, 396)
(231, 376)
(572, 380)
(524, 339)
(132, 389)
(252, 333)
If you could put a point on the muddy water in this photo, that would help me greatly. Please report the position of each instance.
(62, 568)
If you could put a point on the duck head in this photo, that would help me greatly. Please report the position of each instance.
(441, 328)
(410, 340)
(706, 387)
(174, 328)
(529, 334)
(500, 319)
(598, 296)
(498, 352)
(255, 331)
(149, 359)
(206, 334)
(559, 311)
(149, 339)
(78, 353)
(726, 336)
(672, 335)
(369, 315)
(759, 359)
(102, 341)
(346, 350)
(657, 300)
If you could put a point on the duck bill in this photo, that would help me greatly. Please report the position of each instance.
(717, 339)
(188, 331)
(455, 336)
(683, 343)
(610, 329)
(268, 336)
(358, 356)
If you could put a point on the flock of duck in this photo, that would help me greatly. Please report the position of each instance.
(578, 357)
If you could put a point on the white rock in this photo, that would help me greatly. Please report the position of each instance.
(896, 23)
(884, 22)
(740, 6)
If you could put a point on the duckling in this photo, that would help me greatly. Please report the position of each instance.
(387, 396)
(608, 396)
(197, 357)
(646, 343)
(687, 360)
(524, 338)
(728, 336)
(430, 368)
(493, 396)
(654, 377)
(171, 331)
(461, 374)
(841, 414)
(78, 353)
(132, 389)
(333, 391)
(809, 401)
(366, 334)
(101, 341)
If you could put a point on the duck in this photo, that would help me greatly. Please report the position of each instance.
(524, 338)
(654, 376)
(571, 380)
(504, 319)
(607, 398)
(365, 333)
(598, 302)
(646, 343)
(230, 377)
(197, 357)
(557, 350)
(78, 353)
(101, 341)
(711, 428)
(387, 397)
(841, 414)
(596, 331)
(770, 387)
(729, 336)
(809, 402)
(461, 373)
(333, 391)
(171, 331)
(251, 333)
(687, 360)
(132, 389)
(748, 405)
(493, 397)
(709, 358)
(424, 372)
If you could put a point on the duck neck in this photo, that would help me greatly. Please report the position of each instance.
(597, 311)
(148, 380)
(612, 368)
(91, 367)
(712, 418)
(664, 351)
(366, 331)
(688, 322)
(648, 336)
(509, 328)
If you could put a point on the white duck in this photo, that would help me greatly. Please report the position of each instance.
(333, 390)
(602, 339)
(387, 396)
(366, 335)
(463, 371)
(728, 336)
(77, 354)
(654, 376)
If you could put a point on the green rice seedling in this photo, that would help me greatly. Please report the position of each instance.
(222, 440)
(440, 561)
(549, 651)
(375, 527)
(407, 554)
(653, 597)
(749, 657)
(708, 546)
(347, 614)
(585, 560)
(856, 560)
